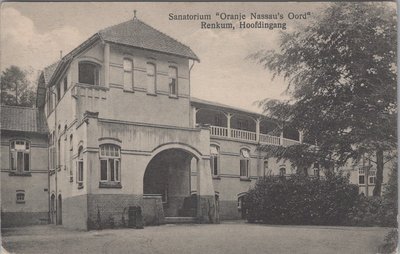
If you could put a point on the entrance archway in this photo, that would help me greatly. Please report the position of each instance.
(168, 176)
(59, 210)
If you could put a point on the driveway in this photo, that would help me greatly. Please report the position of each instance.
(228, 237)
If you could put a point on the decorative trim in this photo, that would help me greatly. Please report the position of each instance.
(20, 174)
(110, 185)
(148, 125)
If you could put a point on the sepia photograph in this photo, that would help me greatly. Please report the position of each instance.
(199, 127)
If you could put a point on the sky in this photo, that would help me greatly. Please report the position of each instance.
(32, 35)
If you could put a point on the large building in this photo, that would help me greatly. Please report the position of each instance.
(116, 128)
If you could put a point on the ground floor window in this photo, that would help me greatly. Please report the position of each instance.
(110, 163)
(20, 197)
(244, 163)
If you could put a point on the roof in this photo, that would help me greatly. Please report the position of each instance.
(223, 106)
(49, 71)
(138, 34)
(24, 119)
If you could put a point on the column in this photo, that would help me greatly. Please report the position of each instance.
(258, 129)
(206, 209)
(228, 123)
(281, 138)
(106, 64)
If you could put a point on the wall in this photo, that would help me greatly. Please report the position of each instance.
(35, 208)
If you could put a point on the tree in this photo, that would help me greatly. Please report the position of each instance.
(341, 74)
(15, 88)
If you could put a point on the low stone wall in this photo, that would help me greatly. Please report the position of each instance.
(153, 212)
(228, 210)
(111, 210)
(19, 219)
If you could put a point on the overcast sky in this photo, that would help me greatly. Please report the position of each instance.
(32, 35)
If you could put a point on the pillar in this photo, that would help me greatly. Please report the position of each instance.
(206, 208)
(228, 123)
(258, 129)
(194, 113)
(106, 64)
(301, 137)
(281, 138)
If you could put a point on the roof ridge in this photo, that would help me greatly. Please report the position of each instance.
(165, 34)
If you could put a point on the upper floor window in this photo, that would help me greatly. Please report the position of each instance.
(65, 83)
(128, 74)
(173, 80)
(214, 160)
(89, 73)
(372, 176)
(20, 156)
(110, 159)
(151, 78)
(58, 86)
(244, 163)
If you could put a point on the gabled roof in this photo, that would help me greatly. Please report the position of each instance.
(138, 34)
(14, 118)
(134, 33)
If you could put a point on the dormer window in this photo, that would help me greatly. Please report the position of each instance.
(173, 81)
(89, 73)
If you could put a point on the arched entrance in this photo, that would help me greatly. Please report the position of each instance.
(168, 177)
(53, 209)
(59, 210)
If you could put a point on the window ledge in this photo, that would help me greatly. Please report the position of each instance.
(216, 178)
(246, 179)
(128, 91)
(115, 185)
(20, 201)
(151, 94)
(80, 186)
(20, 174)
(171, 96)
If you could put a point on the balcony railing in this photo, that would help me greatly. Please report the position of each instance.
(243, 135)
(218, 131)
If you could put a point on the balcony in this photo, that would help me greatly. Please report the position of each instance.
(217, 131)
(89, 98)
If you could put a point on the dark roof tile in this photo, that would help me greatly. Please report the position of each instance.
(15, 118)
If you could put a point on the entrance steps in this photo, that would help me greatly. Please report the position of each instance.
(178, 220)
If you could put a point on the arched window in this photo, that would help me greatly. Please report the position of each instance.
(151, 78)
(89, 73)
(20, 156)
(110, 160)
(128, 74)
(214, 160)
(173, 81)
(79, 167)
(244, 163)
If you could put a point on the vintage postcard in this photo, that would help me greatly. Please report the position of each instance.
(198, 127)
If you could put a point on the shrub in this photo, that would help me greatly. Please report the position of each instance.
(391, 240)
(302, 200)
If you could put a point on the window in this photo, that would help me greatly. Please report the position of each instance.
(173, 81)
(89, 73)
(20, 156)
(282, 171)
(151, 78)
(372, 176)
(316, 169)
(58, 87)
(128, 74)
(244, 163)
(110, 163)
(20, 196)
(71, 151)
(214, 160)
(65, 84)
(266, 167)
(79, 167)
(361, 176)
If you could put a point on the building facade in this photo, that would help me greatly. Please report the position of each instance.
(122, 131)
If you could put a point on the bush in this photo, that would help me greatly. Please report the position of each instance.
(302, 200)
(391, 240)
